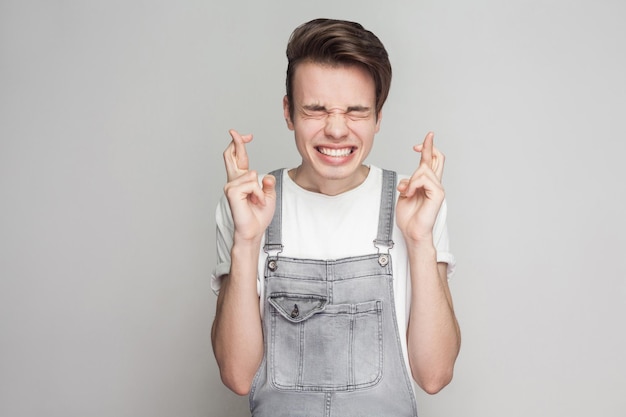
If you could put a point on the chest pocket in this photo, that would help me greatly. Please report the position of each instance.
(318, 346)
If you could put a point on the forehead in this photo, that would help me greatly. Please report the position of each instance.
(333, 86)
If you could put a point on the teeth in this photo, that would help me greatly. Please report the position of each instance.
(335, 152)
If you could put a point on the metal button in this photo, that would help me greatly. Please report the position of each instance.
(272, 265)
(295, 312)
(383, 260)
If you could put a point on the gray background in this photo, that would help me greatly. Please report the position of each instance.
(113, 118)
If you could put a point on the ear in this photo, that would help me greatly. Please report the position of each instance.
(378, 120)
(287, 113)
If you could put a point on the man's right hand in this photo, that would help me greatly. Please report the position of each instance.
(252, 205)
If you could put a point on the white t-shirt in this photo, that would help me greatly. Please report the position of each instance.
(318, 226)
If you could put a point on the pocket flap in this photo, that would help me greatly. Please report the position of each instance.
(297, 307)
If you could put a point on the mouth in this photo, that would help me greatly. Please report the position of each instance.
(335, 153)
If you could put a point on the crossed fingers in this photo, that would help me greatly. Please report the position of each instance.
(431, 156)
(236, 156)
(429, 173)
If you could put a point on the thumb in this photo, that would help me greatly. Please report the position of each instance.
(269, 186)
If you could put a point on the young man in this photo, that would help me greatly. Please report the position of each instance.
(313, 317)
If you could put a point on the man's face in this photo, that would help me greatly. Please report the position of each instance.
(334, 122)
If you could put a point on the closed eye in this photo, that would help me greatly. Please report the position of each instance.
(319, 112)
(359, 113)
(314, 112)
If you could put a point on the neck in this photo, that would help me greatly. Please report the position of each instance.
(328, 186)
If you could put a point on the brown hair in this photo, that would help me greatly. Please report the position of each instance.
(339, 42)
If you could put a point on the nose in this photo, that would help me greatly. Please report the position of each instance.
(336, 126)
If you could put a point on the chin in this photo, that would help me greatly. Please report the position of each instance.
(340, 172)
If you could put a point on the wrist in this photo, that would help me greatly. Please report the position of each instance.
(422, 242)
(419, 239)
(246, 245)
(244, 262)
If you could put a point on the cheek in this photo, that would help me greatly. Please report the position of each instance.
(367, 131)
(306, 129)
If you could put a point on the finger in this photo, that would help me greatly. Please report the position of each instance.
(426, 187)
(427, 160)
(439, 160)
(269, 186)
(241, 155)
(235, 155)
(402, 186)
(230, 161)
(422, 178)
(263, 191)
(427, 150)
(244, 187)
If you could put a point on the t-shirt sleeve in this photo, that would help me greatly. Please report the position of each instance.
(442, 240)
(224, 242)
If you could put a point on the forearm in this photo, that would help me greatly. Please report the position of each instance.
(237, 334)
(433, 334)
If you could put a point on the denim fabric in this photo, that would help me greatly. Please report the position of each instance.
(332, 345)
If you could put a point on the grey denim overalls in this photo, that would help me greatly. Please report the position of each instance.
(332, 346)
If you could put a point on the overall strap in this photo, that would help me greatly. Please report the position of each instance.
(386, 214)
(273, 243)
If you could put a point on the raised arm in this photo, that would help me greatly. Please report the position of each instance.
(433, 335)
(237, 334)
